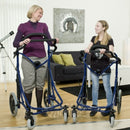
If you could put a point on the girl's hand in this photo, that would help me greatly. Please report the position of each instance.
(86, 50)
(26, 41)
(102, 51)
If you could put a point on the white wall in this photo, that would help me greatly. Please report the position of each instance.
(116, 12)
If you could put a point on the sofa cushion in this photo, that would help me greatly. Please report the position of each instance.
(67, 59)
(57, 59)
(73, 69)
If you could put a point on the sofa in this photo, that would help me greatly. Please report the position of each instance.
(63, 73)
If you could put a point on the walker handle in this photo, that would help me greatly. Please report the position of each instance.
(113, 55)
(81, 55)
(45, 38)
(99, 46)
(37, 40)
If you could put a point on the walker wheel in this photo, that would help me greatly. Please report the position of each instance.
(112, 120)
(119, 100)
(65, 114)
(13, 104)
(74, 115)
(83, 101)
(31, 123)
(46, 101)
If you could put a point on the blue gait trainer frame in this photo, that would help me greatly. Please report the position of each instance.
(52, 99)
(82, 97)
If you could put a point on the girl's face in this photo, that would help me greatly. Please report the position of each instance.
(37, 15)
(99, 28)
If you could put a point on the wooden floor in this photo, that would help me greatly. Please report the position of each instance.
(56, 117)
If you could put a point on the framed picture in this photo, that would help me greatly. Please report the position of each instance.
(69, 25)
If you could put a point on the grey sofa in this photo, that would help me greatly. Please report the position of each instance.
(63, 73)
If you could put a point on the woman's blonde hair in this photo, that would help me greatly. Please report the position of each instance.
(106, 37)
(33, 9)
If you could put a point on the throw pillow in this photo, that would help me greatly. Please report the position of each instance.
(57, 59)
(67, 59)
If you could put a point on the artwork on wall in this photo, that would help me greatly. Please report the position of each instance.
(69, 25)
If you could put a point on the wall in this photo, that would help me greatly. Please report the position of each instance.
(116, 12)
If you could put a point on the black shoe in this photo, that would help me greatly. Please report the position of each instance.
(42, 113)
(106, 112)
(27, 115)
(93, 113)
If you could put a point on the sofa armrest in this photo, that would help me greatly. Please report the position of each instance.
(57, 69)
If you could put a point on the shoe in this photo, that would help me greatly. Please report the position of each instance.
(93, 113)
(106, 113)
(42, 113)
(27, 115)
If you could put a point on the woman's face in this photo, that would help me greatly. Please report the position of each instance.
(99, 28)
(37, 15)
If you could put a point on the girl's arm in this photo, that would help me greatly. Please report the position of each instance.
(111, 48)
(88, 48)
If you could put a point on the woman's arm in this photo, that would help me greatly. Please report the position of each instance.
(19, 36)
(17, 39)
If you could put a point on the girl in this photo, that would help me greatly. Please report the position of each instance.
(100, 62)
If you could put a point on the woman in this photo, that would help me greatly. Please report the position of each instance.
(99, 62)
(35, 51)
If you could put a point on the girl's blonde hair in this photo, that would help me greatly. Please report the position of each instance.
(106, 37)
(33, 9)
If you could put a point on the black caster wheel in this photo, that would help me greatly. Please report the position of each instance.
(46, 101)
(13, 104)
(84, 101)
(31, 123)
(119, 101)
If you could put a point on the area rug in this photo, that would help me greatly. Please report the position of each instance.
(76, 89)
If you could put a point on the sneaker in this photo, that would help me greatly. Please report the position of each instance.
(42, 113)
(106, 113)
(93, 113)
(27, 115)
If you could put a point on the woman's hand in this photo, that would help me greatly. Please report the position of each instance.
(57, 40)
(26, 41)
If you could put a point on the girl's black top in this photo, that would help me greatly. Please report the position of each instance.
(100, 61)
